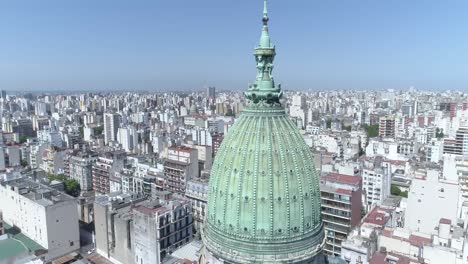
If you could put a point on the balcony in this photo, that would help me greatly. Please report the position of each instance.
(337, 206)
(330, 219)
(337, 229)
(334, 199)
(336, 215)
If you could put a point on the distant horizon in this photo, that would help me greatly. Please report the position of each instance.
(82, 91)
(153, 45)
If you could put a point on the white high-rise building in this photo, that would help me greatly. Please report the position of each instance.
(435, 150)
(298, 109)
(111, 126)
(40, 108)
(202, 137)
(128, 138)
(376, 182)
(2, 159)
(88, 133)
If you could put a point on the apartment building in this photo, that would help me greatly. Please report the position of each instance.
(341, 200)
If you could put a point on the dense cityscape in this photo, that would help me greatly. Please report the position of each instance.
(268, 175)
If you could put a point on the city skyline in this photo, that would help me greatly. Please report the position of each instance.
(108, 167)
(161, 46)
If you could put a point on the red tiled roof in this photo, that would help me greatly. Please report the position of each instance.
(445, 221)
(418, 241)
(342, 178)
(387, 232)
(380, 258)
(414, 240)
(344, 191)
(377, 216)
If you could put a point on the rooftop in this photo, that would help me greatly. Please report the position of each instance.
(378, 216)
(379, 258)
(445, 221)
(414, 238)
(342, 178)
(392, 201)
(151, 208)
(116, 198)
(189, 252)
(182, 148)
(10, 248)
(16, 244)
(41, 194)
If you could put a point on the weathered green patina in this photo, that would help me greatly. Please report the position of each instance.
(264, 196)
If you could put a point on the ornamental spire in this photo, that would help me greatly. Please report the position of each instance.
(265, 39)
(264, 89)
(265, 13)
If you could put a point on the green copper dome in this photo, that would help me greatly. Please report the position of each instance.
(193, 109)
(264, 196)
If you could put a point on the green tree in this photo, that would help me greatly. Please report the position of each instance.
(72, 187)
(439, 133)
(395, 190)
(24, 163)
(23, 139)
(328, 123)
(371, 131)
(98, 130)
(59, 177)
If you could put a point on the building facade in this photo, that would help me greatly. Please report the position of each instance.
(341, 198)
(132, 229)
(81, 169)
(104, 168)
(47, 216)
(376, 184)
(111, 126)
(197, 193)
(387, 127)
(181, 166)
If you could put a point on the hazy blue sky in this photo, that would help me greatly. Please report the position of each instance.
(185, 44)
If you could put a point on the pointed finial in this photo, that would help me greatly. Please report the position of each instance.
(264, 88)
(265, 13)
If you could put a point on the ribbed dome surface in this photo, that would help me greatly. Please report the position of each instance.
(264, 196)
